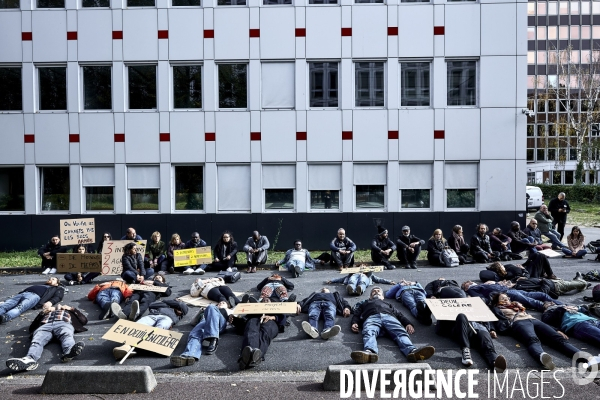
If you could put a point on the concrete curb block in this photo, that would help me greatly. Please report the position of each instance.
(98, 380)
(332, 378)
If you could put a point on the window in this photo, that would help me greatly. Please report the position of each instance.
(99, 184)
(95, 3)
(187, 86)
(53, 88)
(97, 83)
(279, 182)
(369, 182)
(12, 189)
(461, 83)
(11, 97)
(142, 87)
(369, 84)
(415, 185)
(10, 4)
(50, 3)
(143, 183)
(324, 183)
(233, 86)
(569, 177)
(231, 2)
(461, 182)
(414, 84)
(189, 188)
(322, 2)
(55, 188)
(274, 2)
(278, 85)
(368, 1)
(323, 77)
(233, 182)
(140, 3)
(414, 1)
(185, 3)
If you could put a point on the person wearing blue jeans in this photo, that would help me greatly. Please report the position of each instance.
(377, 317)
(213, 324)
(532, 300)
(357, 284)
(412, 295)
(296, 260)
(570, 320)
(326, 304)
(106, 297)
(545, 220)
(45, 295)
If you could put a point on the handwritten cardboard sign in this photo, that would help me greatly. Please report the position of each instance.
(266, 308)
(362, 270)
(201, 301)
(448, 309)
(148, 288)
(195, 256)
(144, 337)
(112, 251)
(77, 231)
(76, 262)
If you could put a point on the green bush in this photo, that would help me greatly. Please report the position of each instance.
(582, 193)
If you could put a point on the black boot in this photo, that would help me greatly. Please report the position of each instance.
(213, 343)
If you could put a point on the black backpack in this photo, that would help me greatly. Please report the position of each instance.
(230, 277)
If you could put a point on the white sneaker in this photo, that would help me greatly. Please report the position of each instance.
(199, 271)
(546, 361)
(189, 271)
(46, 271)
(331, 332)
(52, 271)
(595, 361)
(229, 269)
(310, 331)
(466, 357)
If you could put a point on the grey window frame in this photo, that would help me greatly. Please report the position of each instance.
(201, 68)
(20, 94)
(372, 70)
(83, 91)
(326, 69)
(418, 96)
(219, 107)
(464, 98)
(128, 86)
(39, 87)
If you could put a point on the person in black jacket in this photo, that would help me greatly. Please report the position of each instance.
(498, 272)
(382, 248)
(457, 243)
(375, 316)
(570, 320)
(435, 246)
(275, 288)
(520, 240)
(133, 265)
(106, 236)
(481, 249)
(444, 289)
(538, 266)
(559, 208)
(78, 278)
(224, 252)
(326, 304)
(409, 247)
(48, 254)
(59, 322)
(140, 300)
(37, 296)
(342, 250)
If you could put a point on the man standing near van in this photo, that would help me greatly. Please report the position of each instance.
(559, 208)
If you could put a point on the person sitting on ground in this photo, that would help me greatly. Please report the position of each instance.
(571, 321)
(168, 263)
(342, 250)
(443, 288)
(225, 252)
(376, 316)
(498, 272)
(457, 243)
(131, 235)
(481, 248)
(382, 248)
(501, 245)
(296, 260)
(520, 241)
(435, 247)
(194, 243)
(37, 296)
(575, 243)
(60, 322)
(409, 247)
(412, 295)
(162, 314)
(538, 266)
(214, 289)
(155, 252)
(106, 293)
(79, 278)
(275, 288)
(48, 253)
(133, 265)
(531, 300)
(138, 303)
(106, 236)
(514, 320)
(357, 284)
(212, 322)
(544, 220)
(533, 231)
(256, 251)
(326, 304)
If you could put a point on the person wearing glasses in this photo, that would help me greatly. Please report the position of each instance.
(533, 231)
(105, 237)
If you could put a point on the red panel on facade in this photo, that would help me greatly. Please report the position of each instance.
(347, 135)
(438, 30)
(346, 31)
(71, 35)
(209, 34)
(209, 137)
(163, 34)
(300, 32)
(300, 135)
(392, 134)
(117, 34)
(165, 137)
(119, 138)
(438, 134)
(254, 135)
(29, 138)
(74, 138)
(392, 31)
(26, 36)
(254, 32)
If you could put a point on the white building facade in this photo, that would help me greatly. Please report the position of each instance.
(343, 112)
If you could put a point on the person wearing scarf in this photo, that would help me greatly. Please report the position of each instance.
(457, 243)
(435, 246)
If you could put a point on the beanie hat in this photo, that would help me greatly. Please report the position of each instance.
(381, 229)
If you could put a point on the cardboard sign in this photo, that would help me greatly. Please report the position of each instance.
(550, 253)
(195, 256)
(148, 288)
(362, 270)
(201, 301)
(144, 337)
(266, 308)
(77, 262)
(473, 307)
(112, 251)
(77, 231)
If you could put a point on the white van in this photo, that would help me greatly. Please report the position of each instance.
(535, 197)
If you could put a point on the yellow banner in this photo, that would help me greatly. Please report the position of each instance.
(195, 256)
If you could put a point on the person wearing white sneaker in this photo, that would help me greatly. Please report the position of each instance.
(37, 296)
(140, 300)
(60, 322)
(296, 260)
(326, 304)
(48, 253)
